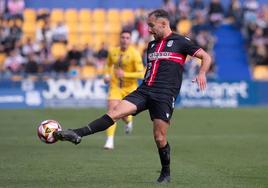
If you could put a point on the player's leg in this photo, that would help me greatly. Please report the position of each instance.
(160, 137)
(129, 124)
(161, 112)
(124, 108)
(110, 132)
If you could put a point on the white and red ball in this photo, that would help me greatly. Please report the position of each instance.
(45, 131)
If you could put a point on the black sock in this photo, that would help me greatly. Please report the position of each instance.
(97, 125)
(164, 154)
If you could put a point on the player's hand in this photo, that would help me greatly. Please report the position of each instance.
(201, 81)
(119, 73)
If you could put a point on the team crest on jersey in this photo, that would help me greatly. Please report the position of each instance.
(170, 43)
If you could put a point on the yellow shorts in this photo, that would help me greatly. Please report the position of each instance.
(117, 93)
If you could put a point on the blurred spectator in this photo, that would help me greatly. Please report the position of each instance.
(200, 23)
(259, 47)
(74, 55)
(169, 6)
(15, 8)
(215, 12)
(42, 14)
(44, 33)
(61, 65)
(30, 47)
(205, 40)
(14, 63)
(2, 8)
(15, 32)
(5, 42)
(250, 9)
(235, 12)
(60, 33)
(198, 5)
(45, 58)
(184, 7)
(88, 54)
(102, 55)
(31, 66)
(102, 52)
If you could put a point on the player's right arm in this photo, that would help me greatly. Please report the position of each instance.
(108, 68)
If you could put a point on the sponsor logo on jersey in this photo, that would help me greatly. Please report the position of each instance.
(158, 55)
(152, 45)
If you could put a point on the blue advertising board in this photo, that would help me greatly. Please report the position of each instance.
(59, 93)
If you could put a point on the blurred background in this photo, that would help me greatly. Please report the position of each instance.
(53, 53)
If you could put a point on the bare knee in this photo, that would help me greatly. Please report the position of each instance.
(160, 133)
(124, 108)
(160, 140)
(114, 113)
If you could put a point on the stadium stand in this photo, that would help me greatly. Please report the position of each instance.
(94, 26)
(231, 55)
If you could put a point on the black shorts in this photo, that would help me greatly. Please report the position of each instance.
(160, 106)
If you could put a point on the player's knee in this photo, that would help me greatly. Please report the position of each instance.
(114, 114)
(160, 140)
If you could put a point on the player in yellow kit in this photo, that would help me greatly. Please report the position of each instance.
(124, 68)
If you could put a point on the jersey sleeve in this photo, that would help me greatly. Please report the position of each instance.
(138, 65)
(189, 48)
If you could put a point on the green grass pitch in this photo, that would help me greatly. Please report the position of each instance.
(211, 148)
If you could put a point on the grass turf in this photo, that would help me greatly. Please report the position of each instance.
(210, 148)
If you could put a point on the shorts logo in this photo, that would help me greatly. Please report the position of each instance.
(167, 114)
(170, 43)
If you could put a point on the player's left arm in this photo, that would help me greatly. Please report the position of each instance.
(205, 64)
(138, 66)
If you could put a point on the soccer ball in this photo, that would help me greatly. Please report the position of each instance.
(45, 131)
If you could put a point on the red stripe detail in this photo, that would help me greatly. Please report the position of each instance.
(176, 57)
(196, 52)
(156, 62)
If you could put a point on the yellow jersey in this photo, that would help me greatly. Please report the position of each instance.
(130, 62)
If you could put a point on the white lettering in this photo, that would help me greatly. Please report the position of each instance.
(217, 94)
(63, 89)
(215, 90)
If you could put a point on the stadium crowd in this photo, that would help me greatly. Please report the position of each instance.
(50, 53)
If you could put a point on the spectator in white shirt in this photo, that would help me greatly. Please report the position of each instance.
(60, 33)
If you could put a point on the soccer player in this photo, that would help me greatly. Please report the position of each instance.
(124, 68)
(161, 85)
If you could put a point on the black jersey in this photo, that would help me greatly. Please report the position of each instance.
(165, 59)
